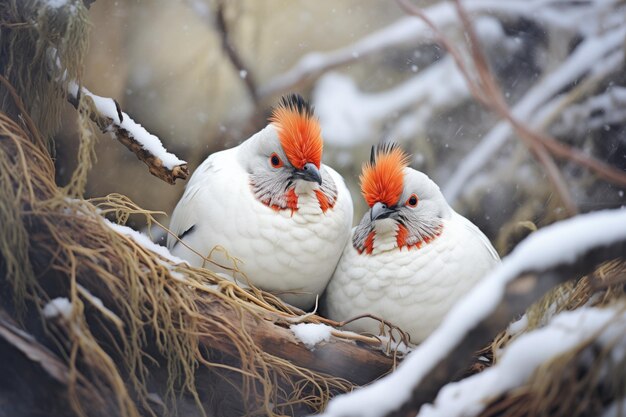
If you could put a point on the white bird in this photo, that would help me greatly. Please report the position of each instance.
(411, 257)
(272, 205)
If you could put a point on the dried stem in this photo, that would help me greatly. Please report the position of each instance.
(488, 93)
(486, 90)
(24, 114)
(243, 71)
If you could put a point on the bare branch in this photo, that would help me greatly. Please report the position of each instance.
(488, 92)
(448, 46)
(203, 12)
(543, 101)
(163, 165)
(499, 105)
(243, 71)
(495, 100)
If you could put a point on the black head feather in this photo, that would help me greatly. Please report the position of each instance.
(296, 103)
(381, 149)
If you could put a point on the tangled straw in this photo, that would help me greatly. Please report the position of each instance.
(131, 307)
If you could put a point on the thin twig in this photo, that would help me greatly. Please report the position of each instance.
(497, 103)
(243, 70)
(448, 46)
(488, 93)
(486, 90)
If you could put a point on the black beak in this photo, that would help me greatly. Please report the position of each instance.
(309, 172)
(380, 211)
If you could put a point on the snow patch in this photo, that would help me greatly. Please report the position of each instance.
(518, 326)
(145, 241)
(397, 346)
(55, 4)
(59, 306)
(311, 333)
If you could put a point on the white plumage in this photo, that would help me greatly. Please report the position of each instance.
(410, 278)
(288, 250)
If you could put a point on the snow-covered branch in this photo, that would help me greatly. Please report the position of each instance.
(590, 57)
(351, 117)
(106, 113)
(566, 331)
(548, 257)
(406, 30)
(606, 108)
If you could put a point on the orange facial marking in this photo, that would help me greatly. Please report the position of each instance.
(369, 243)
(291, 202)
(383, 181)
(402, 234)
(325, 204)
(300, 135)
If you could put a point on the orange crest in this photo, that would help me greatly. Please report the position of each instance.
(299, 131)
(382, 179)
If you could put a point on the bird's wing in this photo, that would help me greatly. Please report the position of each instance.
(187, 210)
(481, 237)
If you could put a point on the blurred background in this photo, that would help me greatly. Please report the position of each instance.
(203, 76)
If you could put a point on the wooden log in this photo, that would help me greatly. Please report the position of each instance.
(338, 357)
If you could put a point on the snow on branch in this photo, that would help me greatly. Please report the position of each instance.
(486, 90)
(606, 108)
(521, 359)
(350, 117)
(590, 57)
(553, 255)
(406, 30)
(106, 113)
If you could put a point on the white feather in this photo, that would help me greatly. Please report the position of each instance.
(293, 255)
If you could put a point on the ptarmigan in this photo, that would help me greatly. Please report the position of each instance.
(272, 205)
(411, 257)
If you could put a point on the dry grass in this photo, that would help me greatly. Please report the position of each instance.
(131, 307)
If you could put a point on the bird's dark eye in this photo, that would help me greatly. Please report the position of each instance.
(412, 201)
(276, 161)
